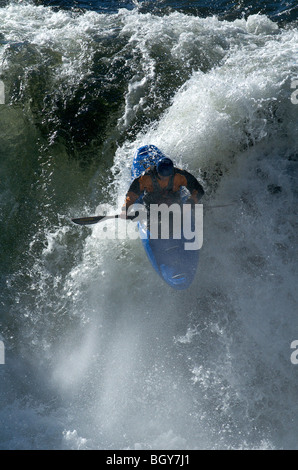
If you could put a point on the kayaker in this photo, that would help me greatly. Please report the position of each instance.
(162, 183)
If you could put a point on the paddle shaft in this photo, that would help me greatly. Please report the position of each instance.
(98, 218)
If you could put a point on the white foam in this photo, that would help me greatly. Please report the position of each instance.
(134, 363)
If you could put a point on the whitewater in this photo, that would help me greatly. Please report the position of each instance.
(99, 353)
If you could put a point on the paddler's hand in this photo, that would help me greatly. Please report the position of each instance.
(125, 216)
(190, 202)
(193, 199)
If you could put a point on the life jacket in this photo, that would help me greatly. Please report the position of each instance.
(160, 195)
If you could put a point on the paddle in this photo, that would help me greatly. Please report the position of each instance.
(98, 218)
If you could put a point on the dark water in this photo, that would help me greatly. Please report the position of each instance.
(98, 352)
(276, 10)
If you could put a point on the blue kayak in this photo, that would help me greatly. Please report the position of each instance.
(175, 265)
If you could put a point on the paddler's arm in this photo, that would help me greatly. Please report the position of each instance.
(132, 195)
(195, 188)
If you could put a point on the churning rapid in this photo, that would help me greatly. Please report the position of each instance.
(99, 353)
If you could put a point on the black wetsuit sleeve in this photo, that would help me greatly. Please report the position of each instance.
(193, 184)
(135, 187)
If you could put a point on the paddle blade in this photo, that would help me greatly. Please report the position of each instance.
(88, 220)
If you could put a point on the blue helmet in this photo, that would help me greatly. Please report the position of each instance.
(165, 166)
